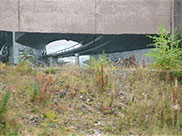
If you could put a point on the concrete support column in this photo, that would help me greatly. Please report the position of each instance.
(77, 59)
(51, 61)
(14, 50)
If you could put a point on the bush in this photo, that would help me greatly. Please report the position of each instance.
(94, 64)
(50, 71)
(166, 55)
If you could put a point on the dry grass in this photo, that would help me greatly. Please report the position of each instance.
(69, 102)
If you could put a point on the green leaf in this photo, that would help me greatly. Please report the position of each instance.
(51, 115)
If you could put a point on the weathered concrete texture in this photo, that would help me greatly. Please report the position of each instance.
(132, 16)
(85, 16)
(9, 15)
(14, 49)
(65, 16)
(178, 15)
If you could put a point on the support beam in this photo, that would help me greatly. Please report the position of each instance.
(51, 61)
(77, 59)
(14, 49)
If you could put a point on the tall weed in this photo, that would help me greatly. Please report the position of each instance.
(42, 88)
(4, 102)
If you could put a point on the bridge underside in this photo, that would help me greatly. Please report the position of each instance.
(92, 43)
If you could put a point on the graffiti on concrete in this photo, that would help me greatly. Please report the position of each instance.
(44, 51)
(26, 54)
(4, 53)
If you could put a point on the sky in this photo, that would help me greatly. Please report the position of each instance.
(59, 45)
(62, 44)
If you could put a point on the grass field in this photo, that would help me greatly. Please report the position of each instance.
(83, 101)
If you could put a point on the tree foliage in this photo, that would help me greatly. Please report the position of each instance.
(167, 53)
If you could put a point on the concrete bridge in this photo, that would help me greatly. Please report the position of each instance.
(125, 22)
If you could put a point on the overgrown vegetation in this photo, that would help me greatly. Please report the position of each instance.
(6, 124)
(100, 99)
(42, 88)
(84, 101)
(98, 68)
(167, 54)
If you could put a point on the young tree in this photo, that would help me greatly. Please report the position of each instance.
(166, 55)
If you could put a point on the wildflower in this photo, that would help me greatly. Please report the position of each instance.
(10, 87)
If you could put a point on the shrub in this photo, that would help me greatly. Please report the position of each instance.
(94, 65)
(166, 54)
(50, 71)
(130, 61)
(28, 56)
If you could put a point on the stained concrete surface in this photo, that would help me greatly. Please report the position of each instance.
(85, 16)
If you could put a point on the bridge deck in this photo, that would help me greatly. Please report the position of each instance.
(86, 16)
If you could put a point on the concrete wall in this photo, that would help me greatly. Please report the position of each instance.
(9, 15)
(85, 16)
(178, 15)
(15, 53)
(139, 54)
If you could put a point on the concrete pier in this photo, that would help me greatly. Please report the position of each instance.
(77, 61)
